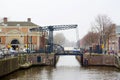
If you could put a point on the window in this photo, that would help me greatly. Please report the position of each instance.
(0, 39)
(30, 39)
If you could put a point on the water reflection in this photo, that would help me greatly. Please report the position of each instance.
(68, 61)
(67, 69)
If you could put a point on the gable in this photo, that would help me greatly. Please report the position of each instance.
(14, 31)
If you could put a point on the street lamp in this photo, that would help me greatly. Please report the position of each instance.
(31, 42)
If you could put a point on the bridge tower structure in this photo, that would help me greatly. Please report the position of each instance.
(50, 30)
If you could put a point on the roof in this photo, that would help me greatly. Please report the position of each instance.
(20, 23)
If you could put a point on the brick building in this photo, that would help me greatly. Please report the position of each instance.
(113, 40)
(118, 38)
(16, 34)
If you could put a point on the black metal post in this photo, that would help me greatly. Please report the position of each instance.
(81, 55)
(31, 43)
(54, 60)
(51, 29)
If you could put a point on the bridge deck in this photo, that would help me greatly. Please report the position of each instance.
(68, 54)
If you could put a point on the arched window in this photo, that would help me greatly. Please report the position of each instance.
(15, 41)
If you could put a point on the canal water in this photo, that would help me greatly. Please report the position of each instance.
(67, 68)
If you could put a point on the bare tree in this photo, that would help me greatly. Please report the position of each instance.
(89, 39)
(59, 38)
(105, 28)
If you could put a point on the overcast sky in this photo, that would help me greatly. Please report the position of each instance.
(57, 12)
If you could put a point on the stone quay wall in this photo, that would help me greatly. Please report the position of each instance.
(8, 65)
(99, 59)
(41, 59)
(13, 63)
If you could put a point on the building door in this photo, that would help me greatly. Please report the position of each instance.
(15, 44)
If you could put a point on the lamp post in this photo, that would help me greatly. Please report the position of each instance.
(46, 50)
(27, 43)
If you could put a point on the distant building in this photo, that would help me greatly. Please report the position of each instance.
(16, 34)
